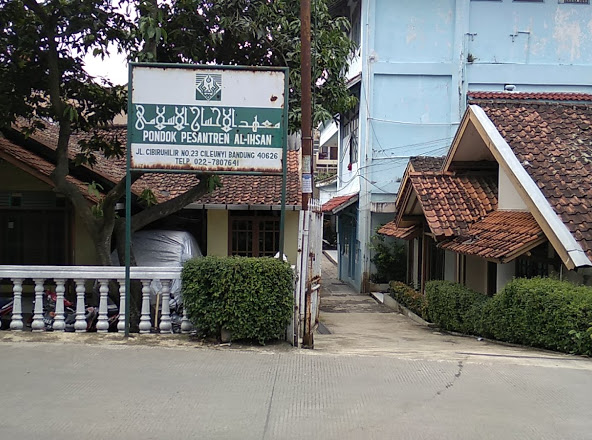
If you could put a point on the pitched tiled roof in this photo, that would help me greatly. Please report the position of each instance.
(38, 167)
(426, 163)
(336, 203)
(390, 229)
(501, 236)
(258, 190)
(531, 96)
(553, 142)
(450, 203)
(236, 189)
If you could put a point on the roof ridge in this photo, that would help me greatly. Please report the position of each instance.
(532, 96)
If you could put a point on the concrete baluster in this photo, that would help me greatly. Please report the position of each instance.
(103, 321)
(16, 322)
(145, 323)
(186, 326)
(121, 321)
(165, 320)
(80, 324)
(59, 322)
(38, 324)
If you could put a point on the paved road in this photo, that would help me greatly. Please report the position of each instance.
(97, 387)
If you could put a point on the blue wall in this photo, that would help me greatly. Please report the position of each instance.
(418, 68)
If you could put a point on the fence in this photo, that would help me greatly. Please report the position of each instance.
(80, 275)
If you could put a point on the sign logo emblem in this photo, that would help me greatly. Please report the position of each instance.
(208, 87)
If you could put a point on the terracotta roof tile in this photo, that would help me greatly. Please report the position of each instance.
(335, 203)
(41, 168)
(236, 189)
(426, 163)
(531, 96)
(450, 202)
(501, 235)
(554, 144)
(258, 190)
(390, 229)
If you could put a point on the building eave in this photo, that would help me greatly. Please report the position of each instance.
(570, 251)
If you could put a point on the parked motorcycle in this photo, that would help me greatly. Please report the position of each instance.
(91, 314)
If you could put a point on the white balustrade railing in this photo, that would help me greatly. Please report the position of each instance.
(80, 275)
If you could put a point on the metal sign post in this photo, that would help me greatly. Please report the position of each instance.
(205, 120)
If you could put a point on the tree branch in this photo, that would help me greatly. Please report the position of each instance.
(117, 192)
(161, 210)
(109, 202)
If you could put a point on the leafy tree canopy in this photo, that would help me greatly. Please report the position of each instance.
(256, 33)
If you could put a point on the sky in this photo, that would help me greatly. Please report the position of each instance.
(113, 67)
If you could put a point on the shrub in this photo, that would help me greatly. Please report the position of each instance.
(455, 307)
(390, 259)
(409, 297)
(542, 312)
(250, 297)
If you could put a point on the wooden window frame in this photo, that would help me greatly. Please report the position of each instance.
(257, 218)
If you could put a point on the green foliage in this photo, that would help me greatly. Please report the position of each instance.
(409, 297)
(150, 29)
(250, 297)
(455, 307)
(41, 67)
(542, 312)
(389, 258)
(260, 33)
(94, 189)
(147, 197)
(214, 183)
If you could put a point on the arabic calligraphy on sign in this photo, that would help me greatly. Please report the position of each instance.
(197, 118)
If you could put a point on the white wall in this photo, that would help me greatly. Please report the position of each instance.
(508, 198)
(582, 276)
(449, 266)
(505, 273)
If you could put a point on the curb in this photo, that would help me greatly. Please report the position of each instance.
(391, 303)
(330, 257)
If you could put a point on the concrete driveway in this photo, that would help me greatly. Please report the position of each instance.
(360, 325)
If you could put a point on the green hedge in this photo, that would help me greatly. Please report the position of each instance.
(250, 297)
(542, 312)
(409, 297)
(455, 307)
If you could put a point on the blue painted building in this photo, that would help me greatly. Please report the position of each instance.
(415, 64)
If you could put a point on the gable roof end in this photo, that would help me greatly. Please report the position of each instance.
(569, 249)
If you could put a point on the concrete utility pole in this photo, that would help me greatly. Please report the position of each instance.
(306, 128)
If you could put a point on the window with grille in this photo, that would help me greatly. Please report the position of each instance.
(349, 130)
(254, 233)
(350, 136)
(583, 2)
(536, 263)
